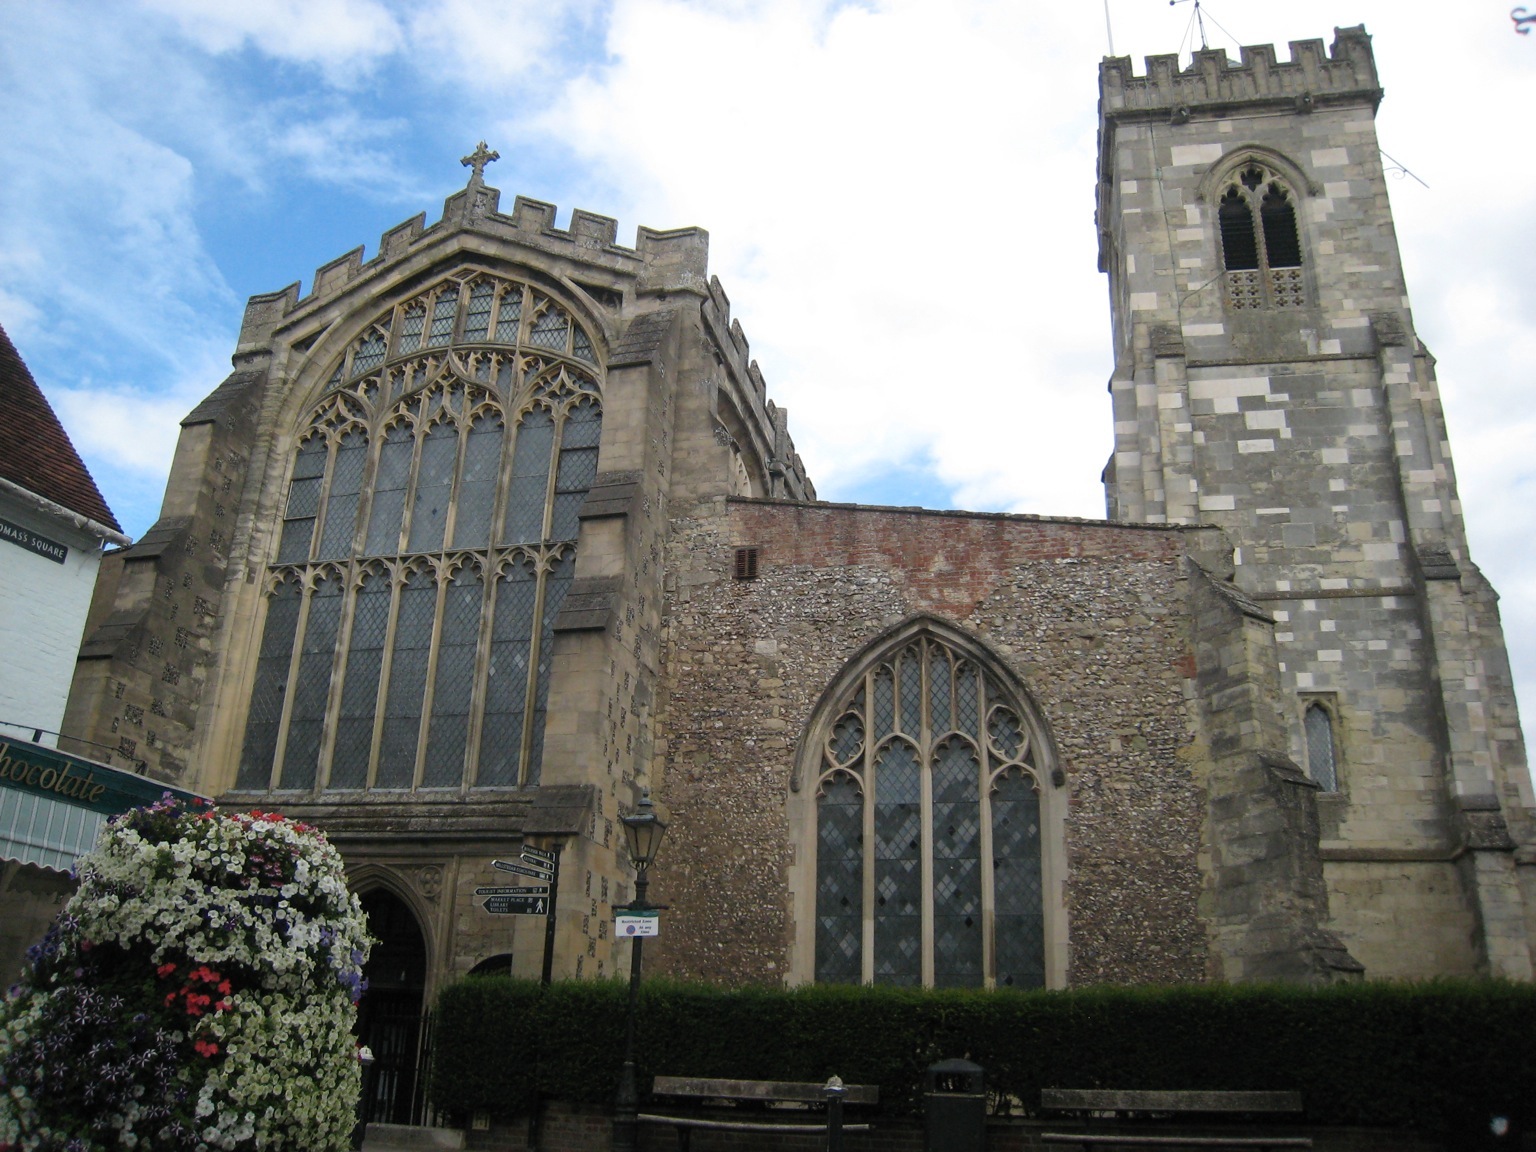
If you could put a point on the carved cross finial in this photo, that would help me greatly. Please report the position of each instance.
(477, 160)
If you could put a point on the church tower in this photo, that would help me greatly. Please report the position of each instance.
(1268, 382)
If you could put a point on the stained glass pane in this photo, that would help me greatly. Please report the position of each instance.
(444, 308)
(411, 324)
(306, 722)
(938, 690)
(360, 686)
(1320, 761)
(477, 483)
(967, 699)
(509, 317)
(530, 478)
(957, 943)
(898, 866)
(477, 320)
(581, 345)
(407, 682)
(549, 329)
(434, 484)
(303, 501)
(1017, 895)
(848, 737)
(341, 504)
(910, 672)
(1006, 733)
(389, 492)
(454, 684)
(840, 883)
(556, 584)
(369, 353)
(501, 732)
(271, 685)
(583, 426)
(885, 704)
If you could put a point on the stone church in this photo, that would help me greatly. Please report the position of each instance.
(491, 530)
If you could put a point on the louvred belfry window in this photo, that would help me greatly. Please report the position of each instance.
(1260, 244)
(928, 844)
(427, 541)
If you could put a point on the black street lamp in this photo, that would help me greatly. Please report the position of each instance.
(643, 831)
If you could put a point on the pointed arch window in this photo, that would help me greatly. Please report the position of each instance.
(1322, 758)
(427, 542)
(1260, 241)
(929, 828)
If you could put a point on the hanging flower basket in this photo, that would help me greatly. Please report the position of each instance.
(198, 992)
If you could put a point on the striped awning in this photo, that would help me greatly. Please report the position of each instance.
(53, 805)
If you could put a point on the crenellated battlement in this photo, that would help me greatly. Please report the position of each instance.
(745, 381)
(1346, 72)
(660, 261)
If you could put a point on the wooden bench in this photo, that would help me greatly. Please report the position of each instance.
(1122, 1102)
(761, 1094)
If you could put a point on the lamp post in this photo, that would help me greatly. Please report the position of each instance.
(643, 830)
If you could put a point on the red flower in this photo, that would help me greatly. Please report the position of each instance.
(165, 970)
(206, 1048)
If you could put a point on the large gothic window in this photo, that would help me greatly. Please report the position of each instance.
(928, 828)
(427, 542)
(1260, 245)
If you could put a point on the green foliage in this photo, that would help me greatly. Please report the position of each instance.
(1442, 1056)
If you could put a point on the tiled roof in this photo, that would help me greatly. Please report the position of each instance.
(35, 451)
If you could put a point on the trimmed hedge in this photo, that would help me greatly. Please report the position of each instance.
(1442, 1057)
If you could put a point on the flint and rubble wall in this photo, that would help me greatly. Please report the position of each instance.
(1089, 616)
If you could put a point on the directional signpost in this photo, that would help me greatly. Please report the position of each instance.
(519, 905)
(541, 873)
(536, 899)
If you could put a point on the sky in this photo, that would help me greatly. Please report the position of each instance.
(868, 172)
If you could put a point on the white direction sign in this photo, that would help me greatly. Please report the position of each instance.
(540, 873)
(530, 890)
(538, 856)
(637, 924)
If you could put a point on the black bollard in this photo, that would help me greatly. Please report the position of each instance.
(834, 1092)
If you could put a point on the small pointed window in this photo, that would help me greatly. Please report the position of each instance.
(1260, 243)
(1322, 765)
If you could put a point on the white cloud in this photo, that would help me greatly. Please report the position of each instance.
(496, 44)
(341, 37)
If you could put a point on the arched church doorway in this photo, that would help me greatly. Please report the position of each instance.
(390, 1020)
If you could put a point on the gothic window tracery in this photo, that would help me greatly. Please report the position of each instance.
(929, 828)
(1260, 243)
(427, 542)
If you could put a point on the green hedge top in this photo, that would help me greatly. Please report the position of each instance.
(1442, 1056)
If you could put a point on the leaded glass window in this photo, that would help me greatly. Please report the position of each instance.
(1322, 765)
(427, 543)
(928, 828)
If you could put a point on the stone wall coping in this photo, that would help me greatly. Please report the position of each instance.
(958, 514)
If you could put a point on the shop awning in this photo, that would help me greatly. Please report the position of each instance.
(54, 805)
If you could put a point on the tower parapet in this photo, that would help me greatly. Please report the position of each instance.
(1345, 73)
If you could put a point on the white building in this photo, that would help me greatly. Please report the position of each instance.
(53, 527)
